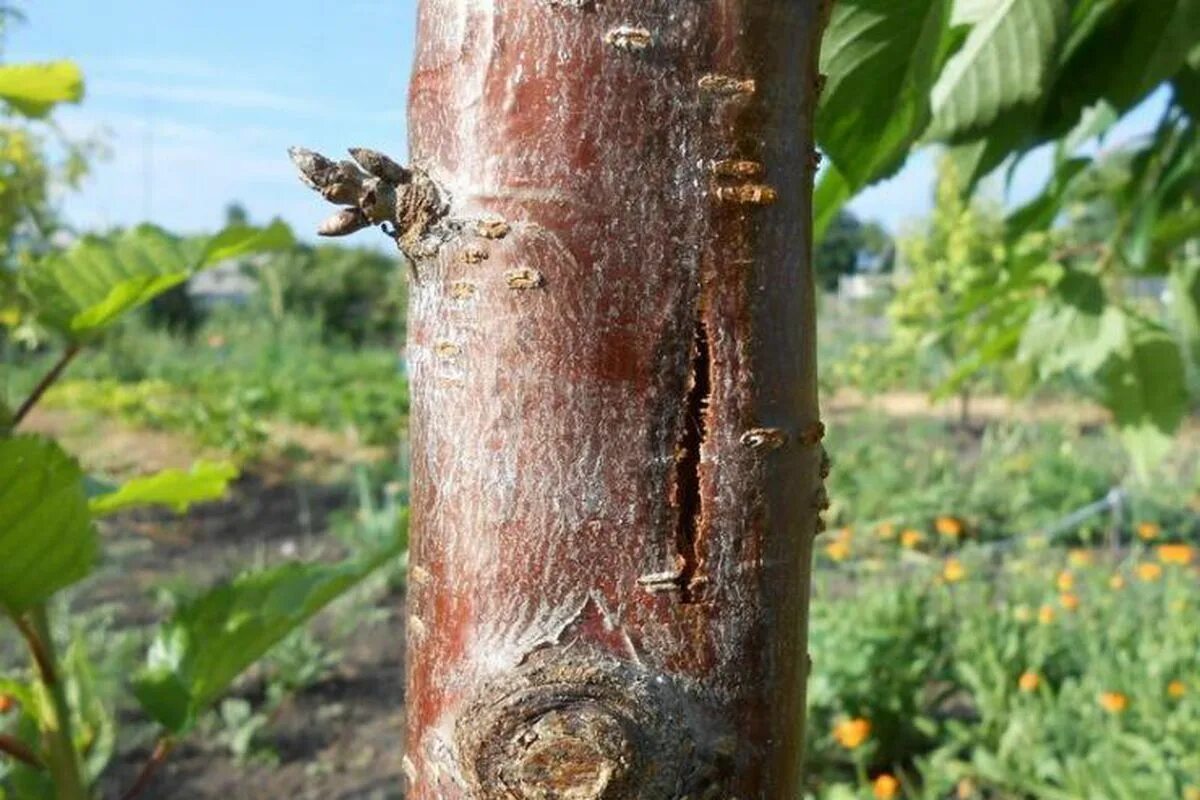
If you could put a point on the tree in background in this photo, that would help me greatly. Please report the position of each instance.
(959, 252)
(851, 246)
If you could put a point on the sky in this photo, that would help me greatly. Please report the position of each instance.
(198, 101)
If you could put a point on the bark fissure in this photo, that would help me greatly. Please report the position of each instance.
(689, 499)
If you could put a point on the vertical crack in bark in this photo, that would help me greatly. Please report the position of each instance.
(688, 496)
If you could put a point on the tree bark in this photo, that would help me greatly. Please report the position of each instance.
(617, 471)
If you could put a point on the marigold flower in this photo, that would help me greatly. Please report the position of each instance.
(851, 733)
(1149, 571)
(7, 703)
(1080, 558)
(954, 571)
(1148, 531)
(1069, 601)
(950, 527)
(1029, 682)
(1045, 615)
(965, 789)
(1116, 583)
(911, 538)
(1114, 702)
(1176, 689)
(838, 550)
(886, 787)
(886, 530)
(1180, 554)
(1066, 581)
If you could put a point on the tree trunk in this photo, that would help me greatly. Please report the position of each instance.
(615, 436)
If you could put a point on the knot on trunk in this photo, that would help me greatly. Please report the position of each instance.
(585, 726)
(374, 190)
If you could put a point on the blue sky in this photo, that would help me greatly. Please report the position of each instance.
(198, 101)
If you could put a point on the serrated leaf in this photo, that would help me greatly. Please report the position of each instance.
(1005, 64)
(1119, 54)
(34, 89)
(82, 290)
(196, 656)
(47, 540)
(240, 240)
(881, 58)
(1074, 330)
(173, 488)
(123, 297)
(1147, 395)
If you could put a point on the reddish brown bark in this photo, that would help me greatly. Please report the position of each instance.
(615, 432)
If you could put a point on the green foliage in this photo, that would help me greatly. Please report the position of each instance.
(212, 639)
(358, 295)
(35, 89)
(173, 488)
(880, 57)
(82, 290)
(990, 79)
(1047, 675)
(47, 540)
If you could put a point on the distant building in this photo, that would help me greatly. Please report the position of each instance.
(864, 286)
(224, 284)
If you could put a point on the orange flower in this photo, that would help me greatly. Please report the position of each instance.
(1069, 601)
(950, 527)
(911, 538)
(1045, 615)
(1114, 702)
(886, 530)
(1029, 682)
(838, 550)
(1080, 558)
(1066, 581)
(851, 733)
(886, 787)
(954, 571)
(1116, 583)
(1148, 531)
(1180, 554)
(7, 703)
(965, 789)
(1149, 572)
(1176, 689)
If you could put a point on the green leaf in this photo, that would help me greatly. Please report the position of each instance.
(47, 540)
(241, 240)
(78, 291)
(1184, 283)
(197, 655)
(34, 89)
(881, 58)
(1147, 394)
(1074, 330)
(1005, 64)
(89, 286)
(123, 297)
(1041, 212)
(1120, 53)
(830, 195)
(172, 488)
